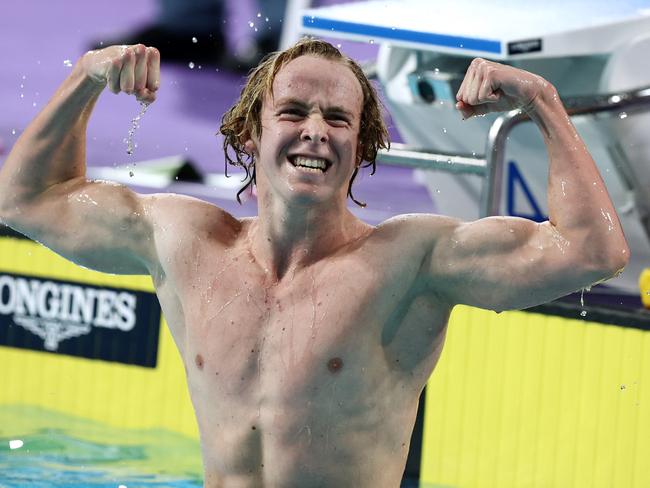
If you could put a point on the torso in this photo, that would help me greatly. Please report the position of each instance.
(310, 381)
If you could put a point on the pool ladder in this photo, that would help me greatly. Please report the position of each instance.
(490, 166)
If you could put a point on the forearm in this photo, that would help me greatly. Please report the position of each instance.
(51, 150)
(578, 202)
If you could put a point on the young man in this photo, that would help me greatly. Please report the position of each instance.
(308, 335)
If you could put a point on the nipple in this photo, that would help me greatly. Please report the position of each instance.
(335, 364)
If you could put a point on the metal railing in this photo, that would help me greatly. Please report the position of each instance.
(491, 164)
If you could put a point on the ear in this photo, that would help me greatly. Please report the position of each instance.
(250, 147)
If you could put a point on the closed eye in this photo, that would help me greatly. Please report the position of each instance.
(337, 119)
(292, 112)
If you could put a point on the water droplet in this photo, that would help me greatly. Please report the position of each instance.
(583, 313)
(444, 130)
(436, 70)
(135, 124)
(437, 191)
(251, 24)
(13, 132)
(195, 40)
(191, 65)
(622, 115)
(67, 63)
(33, 104)
(372, 41)
(259, 14)
(22, 95)
(131, 174)
(338, 46)
(266, 19)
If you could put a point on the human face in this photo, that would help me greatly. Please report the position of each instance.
(313, 115)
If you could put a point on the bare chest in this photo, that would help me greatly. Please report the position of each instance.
(346, 318)
(263, 337)
(336, 352)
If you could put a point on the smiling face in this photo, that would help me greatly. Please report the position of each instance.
(307, 149)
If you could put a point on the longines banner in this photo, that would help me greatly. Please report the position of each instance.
(78, 319)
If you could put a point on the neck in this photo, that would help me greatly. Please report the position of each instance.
(289, 237)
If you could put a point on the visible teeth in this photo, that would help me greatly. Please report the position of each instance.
(310, 163)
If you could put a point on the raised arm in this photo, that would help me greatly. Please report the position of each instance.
(502, 263)
(44, 192)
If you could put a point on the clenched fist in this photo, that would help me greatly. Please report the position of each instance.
(129, 69)
(494, 87)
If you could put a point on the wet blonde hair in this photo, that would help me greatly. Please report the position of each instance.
(243, 120)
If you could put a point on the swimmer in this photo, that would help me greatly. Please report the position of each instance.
(307, 335)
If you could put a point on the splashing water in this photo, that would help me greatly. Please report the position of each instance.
(135, 125)
(582, 300)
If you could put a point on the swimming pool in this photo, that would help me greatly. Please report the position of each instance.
(66, 451)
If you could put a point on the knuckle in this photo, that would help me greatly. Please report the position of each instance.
(140, 50)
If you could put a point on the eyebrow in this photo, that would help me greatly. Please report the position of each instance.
(305, 106)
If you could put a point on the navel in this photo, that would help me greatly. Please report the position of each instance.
(335, 364)
(199, 361)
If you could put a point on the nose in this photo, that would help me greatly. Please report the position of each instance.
(314, 130)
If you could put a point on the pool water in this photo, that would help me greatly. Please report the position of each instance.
(63, 451)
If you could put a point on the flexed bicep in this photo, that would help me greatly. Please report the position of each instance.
(101, 225)
(506, 263)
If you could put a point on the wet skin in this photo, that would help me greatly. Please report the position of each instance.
(312, 380)
(306, 334)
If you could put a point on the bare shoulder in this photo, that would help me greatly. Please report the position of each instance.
(410, 239)
(417, 231)
(181, 223)
(171, 213)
